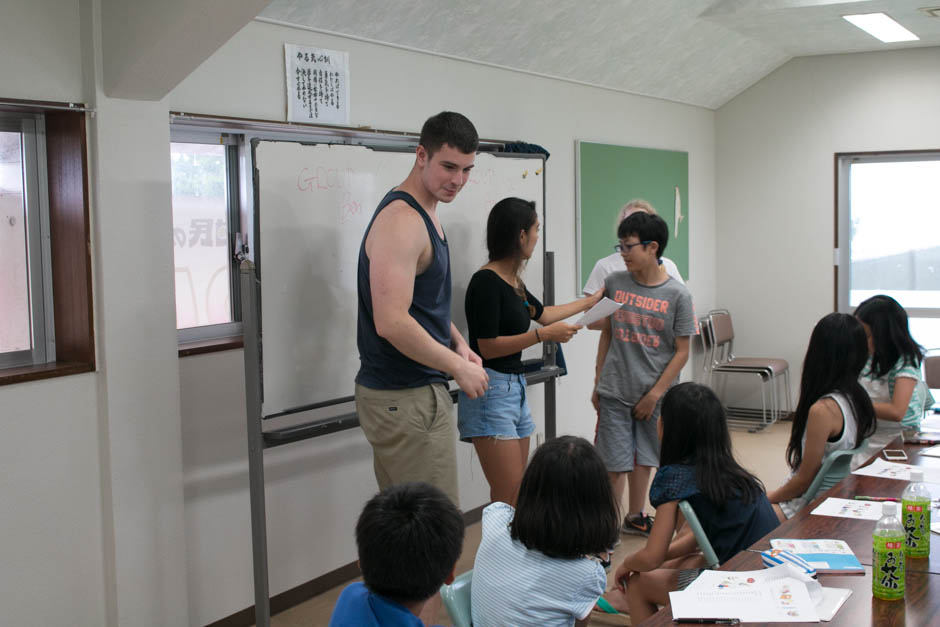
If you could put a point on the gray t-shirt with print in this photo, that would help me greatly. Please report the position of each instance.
(643, 334)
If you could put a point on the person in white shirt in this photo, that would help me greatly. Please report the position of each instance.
(614, 262)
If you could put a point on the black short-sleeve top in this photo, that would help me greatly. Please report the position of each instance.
(495, 309)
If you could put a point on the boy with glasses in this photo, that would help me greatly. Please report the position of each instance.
(642, 349)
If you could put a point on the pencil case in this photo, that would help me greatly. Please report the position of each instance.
(775, 557)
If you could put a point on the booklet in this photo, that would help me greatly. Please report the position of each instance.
(826, 556)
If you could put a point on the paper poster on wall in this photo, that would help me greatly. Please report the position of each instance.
(317, 85)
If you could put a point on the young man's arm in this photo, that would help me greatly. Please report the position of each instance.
(460, 346)
(645, 406)
(395, 246)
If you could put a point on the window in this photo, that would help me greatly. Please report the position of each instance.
(46, 312)
(889, 220)
(26, 335)
(205, 221)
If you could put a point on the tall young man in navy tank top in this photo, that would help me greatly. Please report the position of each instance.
(407, 342)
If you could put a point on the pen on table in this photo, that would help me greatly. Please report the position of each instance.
(880, 499)
(708, 621)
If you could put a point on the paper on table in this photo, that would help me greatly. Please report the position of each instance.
(831, 601)
(849, 508)
(933, 451)
(778, 594)
(893, 470)
(598, 312)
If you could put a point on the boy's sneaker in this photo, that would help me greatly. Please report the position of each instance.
(639, 525)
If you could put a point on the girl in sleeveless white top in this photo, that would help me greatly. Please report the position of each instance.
(833, 412)
(845, 442)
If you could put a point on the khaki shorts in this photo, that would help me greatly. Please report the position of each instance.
(413, 435)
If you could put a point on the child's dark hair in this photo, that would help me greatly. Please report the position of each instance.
(647, 227)
(695, 432)
(890, 334)
(409, 537)
(565, 507)
(448, 127)
(836, 354)
(507, 219)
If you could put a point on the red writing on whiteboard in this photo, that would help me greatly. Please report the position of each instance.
(311, 180)
(348, 208)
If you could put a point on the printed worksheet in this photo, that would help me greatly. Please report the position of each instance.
(601, 310)
(776, 595)
(779, 594)
(893, 470)
(849, 508)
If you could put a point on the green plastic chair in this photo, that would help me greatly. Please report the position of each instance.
(456, 597)
(835, 467)
(711, 559)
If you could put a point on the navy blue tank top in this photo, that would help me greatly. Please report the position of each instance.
(381, 365)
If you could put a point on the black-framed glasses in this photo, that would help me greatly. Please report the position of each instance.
(621, 248)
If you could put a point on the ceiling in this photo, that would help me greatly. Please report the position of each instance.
(701, 52)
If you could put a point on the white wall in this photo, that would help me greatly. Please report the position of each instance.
(315, 489)
(775, 184)
(92, 464)
(51, 547)
(41, 50)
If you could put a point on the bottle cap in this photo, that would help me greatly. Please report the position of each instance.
(917, 475)
(889, 508)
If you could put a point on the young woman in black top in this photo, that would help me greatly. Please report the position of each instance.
(499, 311)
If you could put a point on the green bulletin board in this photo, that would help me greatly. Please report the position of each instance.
(608, 177)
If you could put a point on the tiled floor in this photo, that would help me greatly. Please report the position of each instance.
(761, 453)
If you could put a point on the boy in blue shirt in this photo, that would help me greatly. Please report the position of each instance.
(409, 537)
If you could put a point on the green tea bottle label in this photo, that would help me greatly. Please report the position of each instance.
(915, 517)
(887, 577)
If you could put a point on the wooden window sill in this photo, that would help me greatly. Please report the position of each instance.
(21, 374)
(211, 346)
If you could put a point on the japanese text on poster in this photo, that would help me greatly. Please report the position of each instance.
(317, 85)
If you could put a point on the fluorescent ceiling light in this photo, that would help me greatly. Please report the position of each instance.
(881, 27)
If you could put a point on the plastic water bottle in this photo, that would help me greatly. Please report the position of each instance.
(915, 516)
(887, 570)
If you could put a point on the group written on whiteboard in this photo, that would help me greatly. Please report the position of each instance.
(317, 85)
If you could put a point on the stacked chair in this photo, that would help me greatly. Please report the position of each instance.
(717, 333)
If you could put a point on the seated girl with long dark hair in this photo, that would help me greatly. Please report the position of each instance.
(834, 411)
(696, 465)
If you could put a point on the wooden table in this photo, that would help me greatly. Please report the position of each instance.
(921, 604)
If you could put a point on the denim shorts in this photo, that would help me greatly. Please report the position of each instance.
(501, 413)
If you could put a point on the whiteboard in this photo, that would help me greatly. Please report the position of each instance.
(314, 202)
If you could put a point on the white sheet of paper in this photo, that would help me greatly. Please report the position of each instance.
(893, 470)
(778, 594)
(601, 310)
(933, 451)
(832, 600)
(849, 508)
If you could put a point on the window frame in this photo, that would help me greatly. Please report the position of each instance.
(31, 128)
(66, 188)
(842, 256)
(189, 336)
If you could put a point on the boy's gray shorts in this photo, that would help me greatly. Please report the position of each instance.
(622, 441)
